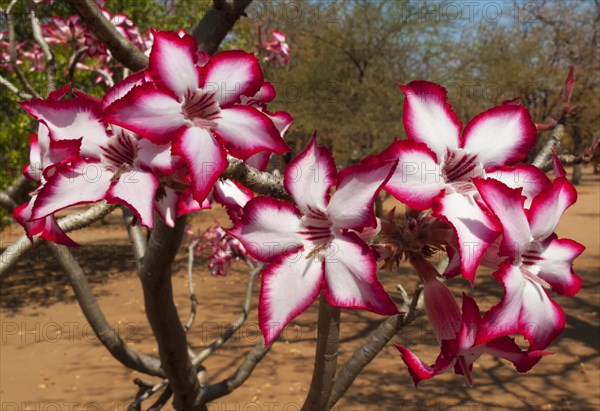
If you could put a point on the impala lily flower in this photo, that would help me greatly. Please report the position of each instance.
(278, 49)
(43, 158)
(437, 163)
(126, 174)
(461, 352)
(537, 261)
(315, 247)
(197, 108)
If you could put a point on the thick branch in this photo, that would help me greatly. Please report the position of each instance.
(68, 223)
(155, 276)
(217, 22)
(259, 181)
(328, 338)
(121, 48)
(553, 142)
(105, 333)
(368, 351)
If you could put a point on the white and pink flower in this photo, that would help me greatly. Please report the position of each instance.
(314, 247)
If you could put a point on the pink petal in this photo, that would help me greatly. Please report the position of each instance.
(60, 151)
(231, 74)
(123, 87)
(418, 177)
(507, 204)
(418, 370)
(282, 120)
(233, 196)
(556, 265)
(429, 118)
(500, 136)
(530, 178)
(166, 206)
(155, 157)
(309, 177)
(71, 120)
(47, 226)
(350, 276)
(474, 228)
(351, 205)
(186, 203)
(246, 131)
(33, 170)
(524, 308)
(70, 185)
(60, 93)
(505, 347)
(136, 189)
(549, 206)
(259, 160)
(173, 62)
(290, 284)
(557, 167)
(471, 318)
(269, 228)
(205, 158)
(150, 112)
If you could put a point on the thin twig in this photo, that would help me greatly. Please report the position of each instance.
(244, 371)
(77, 55)
(39, 38)
(233, 327)
(136, 235)
(13, 51)
(193, 299)
(10, 86)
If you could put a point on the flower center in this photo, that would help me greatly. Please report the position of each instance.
(120, 151)
(461, 166)
(201, 109)
(530, 260)
(316, 229)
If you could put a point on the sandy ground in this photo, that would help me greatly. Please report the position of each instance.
(50, 359)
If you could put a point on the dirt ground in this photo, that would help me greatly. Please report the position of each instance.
(50, 359)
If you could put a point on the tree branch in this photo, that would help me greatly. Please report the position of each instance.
(39, 38)
(368, 351)
(121, 48)
(20, 94)
(233, 327)
(95, 317)
(328, 338)
(193, 299)
(68, 223)
(155, 275)
(136, 235)
(244, 371)
(553, 142)
(217, 22)
(259, 181)
(13, 51)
